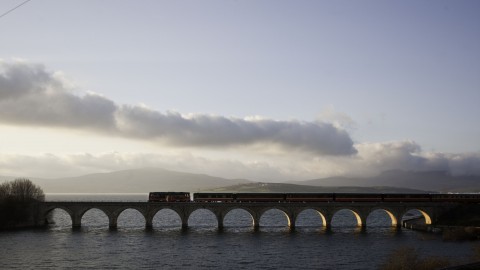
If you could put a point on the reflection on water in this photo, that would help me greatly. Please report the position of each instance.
(202, 218)
(238, 218)
(310, 218)
(166, 218)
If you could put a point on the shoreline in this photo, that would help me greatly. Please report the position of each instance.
(448, 232)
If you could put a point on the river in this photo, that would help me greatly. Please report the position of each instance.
(203, 246)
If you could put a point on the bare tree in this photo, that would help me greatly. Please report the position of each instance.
(17, 200)
(23, 190)
(4, 191)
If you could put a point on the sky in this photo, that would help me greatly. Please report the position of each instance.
(265, 90)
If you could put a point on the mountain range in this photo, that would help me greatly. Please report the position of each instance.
(134, 181)
(435, 181)
(155, 179)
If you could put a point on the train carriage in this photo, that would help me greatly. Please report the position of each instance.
(401, 197)
(358, 197)
(213, 197)
(169, 196)
(455, 197)
(260, 197)
(309, 197)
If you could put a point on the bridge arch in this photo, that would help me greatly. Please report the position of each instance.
(423, 212)
(118, 213)
(290, 218)
(211, 213)
(360, 219)
(178, 211)
(251, 213)
(171, 213)
(390, 213)
(319, 212)
(82, 212)
(50, 211)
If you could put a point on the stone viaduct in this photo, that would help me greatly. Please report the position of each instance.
(396, 210)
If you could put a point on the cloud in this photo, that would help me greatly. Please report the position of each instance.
(51, 165)
(338, 119)
(372, 159)
(31, 95)
(456, 164)
(391, 155)
(217, 131)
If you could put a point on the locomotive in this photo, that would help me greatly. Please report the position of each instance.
(215, 197)
(169, 197)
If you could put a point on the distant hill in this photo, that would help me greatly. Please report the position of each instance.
(155, 179)
(284, 188)
(438, 181)
(134, 181)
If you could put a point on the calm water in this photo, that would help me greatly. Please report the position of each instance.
(203, 246)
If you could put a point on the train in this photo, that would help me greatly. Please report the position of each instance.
(169, 197)
(218, 197)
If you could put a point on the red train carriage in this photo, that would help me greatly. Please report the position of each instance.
(213, 197)
(259, 197)
(358, 197)
(157, 197)
(309, 197)
(238, 197)
(178, 197)
(412, 197)
(456, 197)
(169, 197)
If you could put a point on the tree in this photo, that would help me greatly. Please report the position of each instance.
(4, 191)
(16, 200)
(23, 190)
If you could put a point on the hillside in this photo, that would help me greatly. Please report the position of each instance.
(284, 188)
(155, 179)
(134, 181)
(437, 181)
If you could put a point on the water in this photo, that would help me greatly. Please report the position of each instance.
(203, 246)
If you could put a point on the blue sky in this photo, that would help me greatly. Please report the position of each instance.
(393, 79)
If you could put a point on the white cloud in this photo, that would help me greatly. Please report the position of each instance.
(266, 150)
(30, 95)
(372, 159)
(50, 165)
(338, 119)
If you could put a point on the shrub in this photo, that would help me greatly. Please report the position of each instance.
(408, 259)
